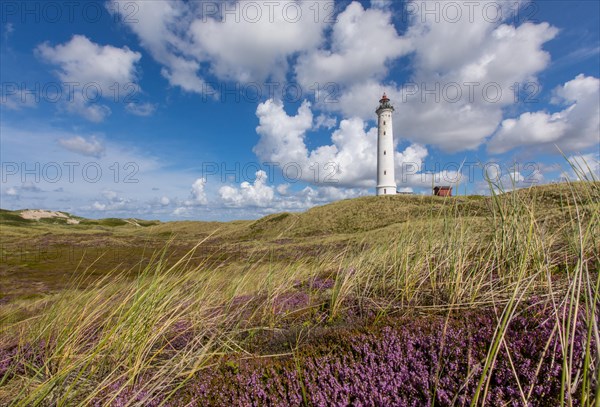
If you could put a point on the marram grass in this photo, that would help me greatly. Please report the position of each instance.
(491, 304)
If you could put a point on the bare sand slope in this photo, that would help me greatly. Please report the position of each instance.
(38, 214)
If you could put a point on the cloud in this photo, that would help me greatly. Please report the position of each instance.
(81, 60)
(115, 203)
(9, 28)
(231, 45)
(324, 194)
(99, 206)
(574, 128)
(90, 71)
(529, 129)
(382, 4)
(282, 136)
(12, 191)
(282, 189)
(514, 179)
(17, 98)
(181, 212)
(95, 113)
(17, 192)
(325, 121)
(262, 198)
(91, 147)
(406, 162)
(30, 187)
(141, 109)
(363, 42)
(110, 195)
(583, 166)
(498, 179)
(193, 40)
(161, 27)
(256, 194)
(198, 193)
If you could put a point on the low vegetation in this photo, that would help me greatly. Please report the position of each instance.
(404, 300)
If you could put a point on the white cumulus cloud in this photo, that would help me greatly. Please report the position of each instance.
(575, 127)
(224, 36)
(257, 194)
(363, 42)
(81, 60)
(85, 146)
(198, 193)
(91, 70)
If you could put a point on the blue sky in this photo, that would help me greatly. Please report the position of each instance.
(218, 110)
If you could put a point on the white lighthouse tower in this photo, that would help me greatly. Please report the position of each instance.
(386, 180)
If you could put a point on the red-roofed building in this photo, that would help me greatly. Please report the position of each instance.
(442, 191)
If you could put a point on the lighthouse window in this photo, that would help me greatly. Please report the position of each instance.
(384, 133)
(384, 153)
(385, 173)
(385, 191)
(384, 122)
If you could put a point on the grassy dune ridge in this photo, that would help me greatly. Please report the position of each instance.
(404, 300)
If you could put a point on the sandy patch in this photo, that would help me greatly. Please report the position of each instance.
(38, 214)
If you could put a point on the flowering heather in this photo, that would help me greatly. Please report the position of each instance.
(410, 363)
(319, 283)
(180, 335)
(242, 300)
(316, 283)
(6, 361)
(17, 360)
(288, 302)
(119, 395)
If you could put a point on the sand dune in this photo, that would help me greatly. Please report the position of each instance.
(38, 214)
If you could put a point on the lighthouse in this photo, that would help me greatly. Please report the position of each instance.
(386, 181)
